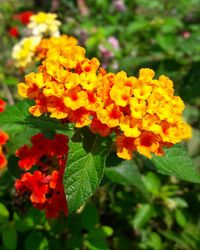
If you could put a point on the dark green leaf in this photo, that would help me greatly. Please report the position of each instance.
(19, 114)
(190, 90)
(9, 238)
(16, 113)
(127, 173)
(90, 217)
(36, 240)
(20, 138)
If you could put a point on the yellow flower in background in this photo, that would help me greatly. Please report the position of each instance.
(23, 52)
(44, 24)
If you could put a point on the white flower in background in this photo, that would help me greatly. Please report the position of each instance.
(24, 51)
(44, 24)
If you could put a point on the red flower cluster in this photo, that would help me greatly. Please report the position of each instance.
(2, 105)
(44, 186)
(3, 139)
(13, 31)
(23, 17)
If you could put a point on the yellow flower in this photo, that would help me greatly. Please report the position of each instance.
(110, 115)
(146, 75)
(88, 81)
(130, 126)
(54, 89)
(70, 57)
(137, 107)
(22, 89)
(24, 51)
(44, 24)
(151, 123)
(142, 90)
(90, 65)
(75, 98)
(120, 95)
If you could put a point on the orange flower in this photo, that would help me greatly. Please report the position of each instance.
(125, 147)
(148, 143)
(3, 138)
(3, 161)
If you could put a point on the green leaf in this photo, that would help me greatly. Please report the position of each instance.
(45, 123)
(107, 230)
(155, 241)
(36, 240)
(180, 218)
(97, 240)
(16, 113)
(20, 138)
(84, 170)
(23, 224)
(9, 238)
(10, 80)
(4, 213)
(90, 217)
(175, 237)
(127, 173)
(177, 163)
(143, 214)
(152, 183)
(166, 42)
(19, 114)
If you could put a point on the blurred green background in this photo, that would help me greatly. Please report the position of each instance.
(124, 35)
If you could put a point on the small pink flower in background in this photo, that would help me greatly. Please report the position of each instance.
(114, 42)
(108, 52)
(105, 52)
(186, 34)
(119, 5)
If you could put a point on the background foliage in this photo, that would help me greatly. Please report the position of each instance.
(135, 207)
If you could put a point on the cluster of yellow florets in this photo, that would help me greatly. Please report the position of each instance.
(44, 31)
(24, 52)
(143, 112)
(44, 24)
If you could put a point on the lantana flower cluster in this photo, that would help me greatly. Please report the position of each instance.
(42, 25)
(3, 139)
(44, 163)
(142, 111)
